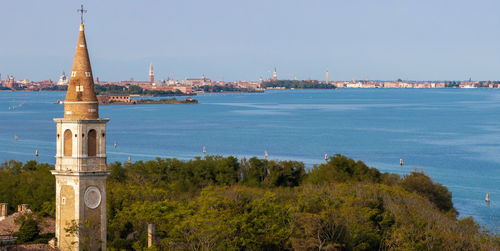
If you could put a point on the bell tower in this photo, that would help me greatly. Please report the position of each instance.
(80, 168)
(151, 73)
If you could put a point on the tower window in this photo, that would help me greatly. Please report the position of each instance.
(92, 143)
(73, 73)
(87, 74)
(79, 88)
(68, 143)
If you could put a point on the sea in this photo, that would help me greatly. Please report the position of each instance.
(453, 135)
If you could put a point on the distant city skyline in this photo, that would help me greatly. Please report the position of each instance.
(244, 40)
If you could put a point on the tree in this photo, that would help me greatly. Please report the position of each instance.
(29, 231)
(256, 173)
(285, 173)
(339, 168)
(435, 192)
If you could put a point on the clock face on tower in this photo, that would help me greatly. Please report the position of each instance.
(92, 197)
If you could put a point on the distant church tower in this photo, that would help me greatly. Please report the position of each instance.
(80, 169)
(275, 75)
(326, 76)
(151, 73)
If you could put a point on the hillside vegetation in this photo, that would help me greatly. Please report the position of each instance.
(222, 203)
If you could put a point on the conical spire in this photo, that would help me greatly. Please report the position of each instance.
(81, 101)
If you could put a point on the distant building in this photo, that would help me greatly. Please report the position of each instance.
(198, 81)
(63, 80)
(275, 75)
(107, 99)
(10, 82)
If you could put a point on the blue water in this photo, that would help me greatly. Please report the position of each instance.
(452, 134)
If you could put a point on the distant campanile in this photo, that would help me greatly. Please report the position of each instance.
(326, 76)
(151, 73)
(275, 75)
(80, 169)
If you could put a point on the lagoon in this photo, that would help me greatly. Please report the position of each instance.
(453, 135)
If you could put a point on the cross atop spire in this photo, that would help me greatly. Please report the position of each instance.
(81, 12)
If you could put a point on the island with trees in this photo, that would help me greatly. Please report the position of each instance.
(224, 88)
(134, 90)
(297, 84)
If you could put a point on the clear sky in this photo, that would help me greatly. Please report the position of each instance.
(243, 40)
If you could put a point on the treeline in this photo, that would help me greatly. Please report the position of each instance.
(167, 101)
(222, 88)
(55, 88)
(30, 183)
(298, 84)
(131, 89)
(223, 203)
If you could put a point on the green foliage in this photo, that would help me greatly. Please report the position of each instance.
(342, 169)
(29, 231)
(55, 88)
(285, 173)
(254, 171)
(435, 192)
(131, 89)
(298, 84)
(223, 88)
(31, 183)
(451, 84)
(220, 203)
(166, 101)
(258, 172)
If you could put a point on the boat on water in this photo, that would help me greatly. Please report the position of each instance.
(326, 156)
(115, 144)
(265, 155)
(401, 163)
(36, 152)
(487, 199)
(204, 150)
(15, 137)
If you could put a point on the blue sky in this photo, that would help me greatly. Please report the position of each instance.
(243, 40)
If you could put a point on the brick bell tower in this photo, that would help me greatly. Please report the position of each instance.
(151, 73)
(80, 169)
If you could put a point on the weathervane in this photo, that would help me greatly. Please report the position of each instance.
(81, 12)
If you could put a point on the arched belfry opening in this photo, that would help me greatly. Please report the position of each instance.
(68, 143)
(92, 143)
